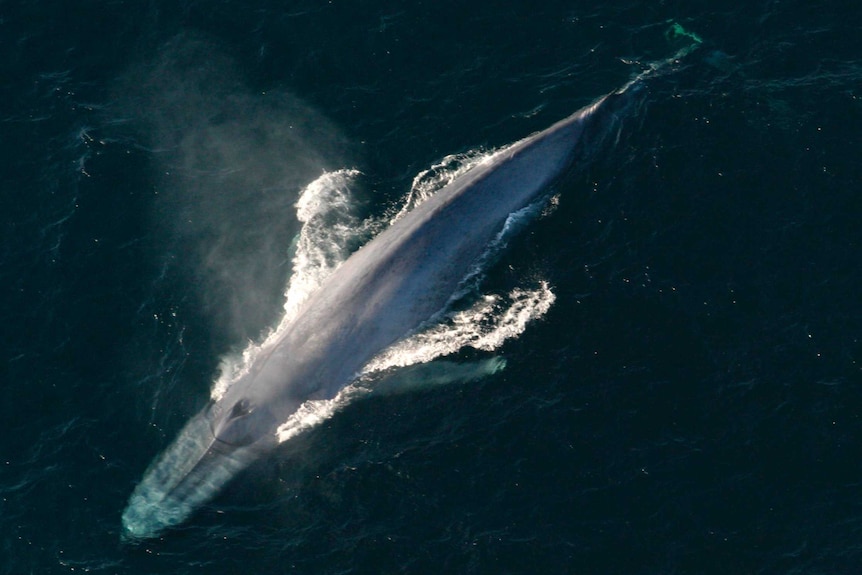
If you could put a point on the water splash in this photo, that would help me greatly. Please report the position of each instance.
(484, 326)
(427, 182)
(387, 381)
(330, 231)
(314, 412)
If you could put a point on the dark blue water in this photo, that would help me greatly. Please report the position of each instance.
(690, 404)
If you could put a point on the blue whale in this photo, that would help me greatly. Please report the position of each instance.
(385, 290)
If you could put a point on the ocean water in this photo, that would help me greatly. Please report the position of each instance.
(689, 402)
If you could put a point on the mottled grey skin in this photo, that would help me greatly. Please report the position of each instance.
(376, 297)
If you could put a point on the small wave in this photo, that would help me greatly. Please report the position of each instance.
(484, 326)
(313, 412)
(330, 231)
(428, 182)
(330, 227)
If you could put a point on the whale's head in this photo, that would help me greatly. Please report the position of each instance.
(215, 445)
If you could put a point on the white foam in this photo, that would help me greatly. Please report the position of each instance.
(314, 412)
(484, 326)
(330, 227)
(428, 182)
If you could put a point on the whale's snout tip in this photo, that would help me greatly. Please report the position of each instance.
(142, 519)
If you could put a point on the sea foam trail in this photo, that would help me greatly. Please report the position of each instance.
(332, 230)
